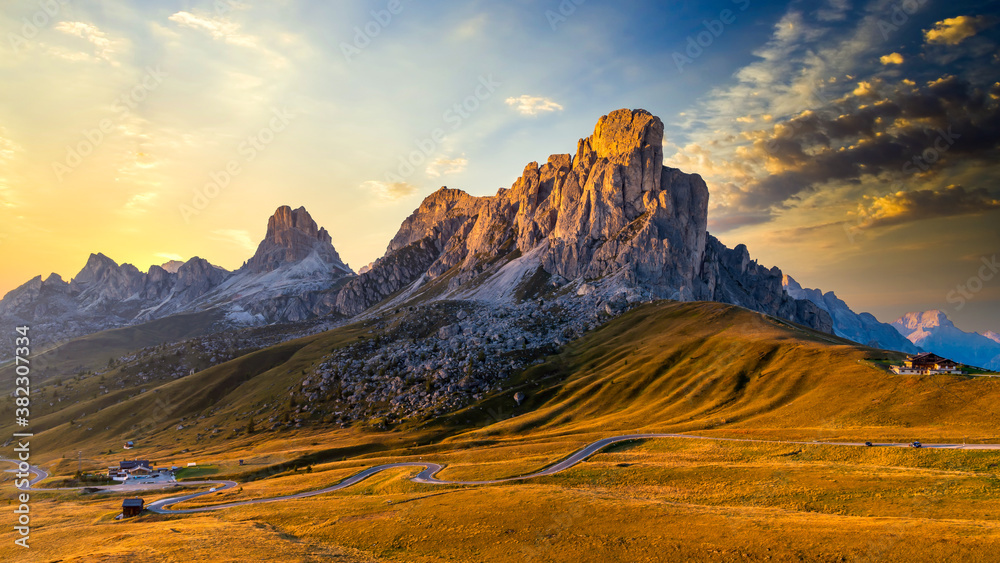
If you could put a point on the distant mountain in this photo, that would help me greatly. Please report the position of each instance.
(992, 336)
(862, 328)
(933, 331)
(105, 295)
(610, 219)
(172, 266)
(293, 273)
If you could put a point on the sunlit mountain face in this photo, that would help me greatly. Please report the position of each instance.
(852, 143)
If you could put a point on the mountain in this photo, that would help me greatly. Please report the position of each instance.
(992, 336)
(862, 328)
(933, 331)
(610, 220)
(294, 271)
(105, 295)
(172, 266)
(593, 232)
(295, 274)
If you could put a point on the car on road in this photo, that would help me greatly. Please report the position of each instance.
(916, 445)
(868, 444)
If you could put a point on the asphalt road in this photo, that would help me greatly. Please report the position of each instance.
(38, 471)
(429, 470)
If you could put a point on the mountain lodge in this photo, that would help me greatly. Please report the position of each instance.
(927, 364)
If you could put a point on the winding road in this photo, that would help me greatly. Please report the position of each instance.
(429, 470)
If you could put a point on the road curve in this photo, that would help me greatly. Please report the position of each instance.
(40, 473)
(428, 470)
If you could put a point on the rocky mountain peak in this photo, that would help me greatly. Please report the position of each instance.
(611, 214)
(442, 209)
(623, 132)
(97, 269)
(292, 236)
(172, 266)
(912, 322)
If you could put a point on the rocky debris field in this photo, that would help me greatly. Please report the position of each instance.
(423, 361)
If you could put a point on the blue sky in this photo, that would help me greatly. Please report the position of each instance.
(800, 115)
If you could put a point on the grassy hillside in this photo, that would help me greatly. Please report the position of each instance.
(665, 367)
(716, 368)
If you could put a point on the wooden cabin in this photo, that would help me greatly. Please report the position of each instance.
(132, 507)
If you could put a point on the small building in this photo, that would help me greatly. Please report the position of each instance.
(140, 471)
(129, 445)
(927, 364)
(132, 507)
(128, 465)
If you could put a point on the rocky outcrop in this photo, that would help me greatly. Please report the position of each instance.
(610, 212)
(730, 276)
(387, 276)
(292, 236)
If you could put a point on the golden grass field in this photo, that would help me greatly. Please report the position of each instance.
(706, 369)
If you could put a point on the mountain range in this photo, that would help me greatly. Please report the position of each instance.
(610, 223)
(862, 328)
(934, 332)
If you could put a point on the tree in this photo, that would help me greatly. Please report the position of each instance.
(251, 427)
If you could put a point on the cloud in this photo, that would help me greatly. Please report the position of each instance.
(392, 191)
(218, 28)
(905, 207)
(140, 203)
(471, 27)
(876, 133)
(533, 105)
(892, 59)
(237, 237)
(835, 10)
(8, 150)
(169, 257)
(7, 147)
(729, 221)
(104, 47)
(442, 166)
(953, 31)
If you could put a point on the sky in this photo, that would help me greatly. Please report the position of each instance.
(853, 144)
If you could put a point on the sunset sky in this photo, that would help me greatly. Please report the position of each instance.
(853, 144)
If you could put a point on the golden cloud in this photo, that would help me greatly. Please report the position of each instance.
(892, 59)
(953, 31)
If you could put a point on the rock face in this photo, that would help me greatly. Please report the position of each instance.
(611, 214)
(293, 236)
(934, 332)
(863, 328)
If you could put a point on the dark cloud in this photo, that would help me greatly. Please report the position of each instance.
(909, 130)
(906, 207)
(729, 221)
